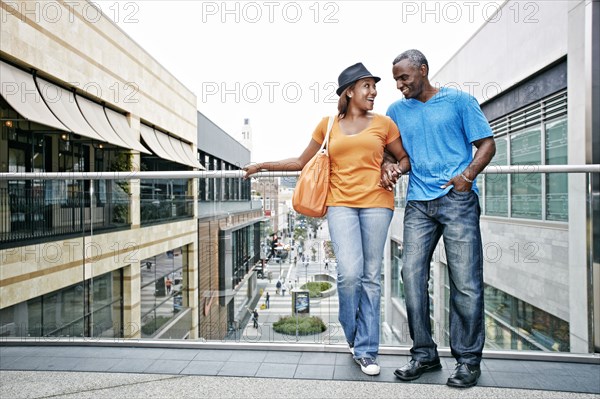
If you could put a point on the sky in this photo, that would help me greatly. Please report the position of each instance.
(277, 62)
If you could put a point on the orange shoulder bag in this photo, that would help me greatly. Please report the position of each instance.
(310, 194)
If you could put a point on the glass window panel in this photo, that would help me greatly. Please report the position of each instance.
(496, 186)
(396, 277)
(525, 149)
(556, 183)
(161, 291)
(512, 323)
(61, 313)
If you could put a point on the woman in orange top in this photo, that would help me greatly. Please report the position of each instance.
(359, 209)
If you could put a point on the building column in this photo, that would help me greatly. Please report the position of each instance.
(134, 184)
(132, 301)
(190, 289)
(580, 111)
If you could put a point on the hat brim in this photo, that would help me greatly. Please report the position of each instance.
(341, 89)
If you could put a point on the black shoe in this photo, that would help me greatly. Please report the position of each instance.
(464, 376)
(414, 369)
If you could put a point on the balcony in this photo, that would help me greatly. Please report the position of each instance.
(518, 355)
(39, 211)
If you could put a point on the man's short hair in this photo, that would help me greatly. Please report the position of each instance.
(415, 57)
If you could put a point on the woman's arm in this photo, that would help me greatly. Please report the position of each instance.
(289, 164)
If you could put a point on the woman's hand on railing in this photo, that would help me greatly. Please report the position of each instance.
(251, 169)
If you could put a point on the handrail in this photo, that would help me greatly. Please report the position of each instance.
(229, 174)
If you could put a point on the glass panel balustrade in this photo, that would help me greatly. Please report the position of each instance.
(190, 270)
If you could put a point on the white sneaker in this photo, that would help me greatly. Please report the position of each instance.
(351, 348)
(368, 365)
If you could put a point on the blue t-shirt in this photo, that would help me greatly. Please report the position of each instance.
(437, 136)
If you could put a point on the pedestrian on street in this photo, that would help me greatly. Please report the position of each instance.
(169, 285)
(267, 298)
(255, 318)
(283, 289)
(278, 287)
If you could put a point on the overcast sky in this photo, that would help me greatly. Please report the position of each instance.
(277, 62)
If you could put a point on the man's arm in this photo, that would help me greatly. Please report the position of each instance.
(392, 169)
(486, 149)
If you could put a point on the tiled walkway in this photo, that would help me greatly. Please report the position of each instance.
(333, 372)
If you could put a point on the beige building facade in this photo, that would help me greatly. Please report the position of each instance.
(61, 61)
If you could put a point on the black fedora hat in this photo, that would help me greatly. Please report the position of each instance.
(351, 75)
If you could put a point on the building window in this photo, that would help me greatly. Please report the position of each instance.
(515, 324)
(526, 188)
(496, 186)
(221, 189)
(536, 135)
(556, 183)
(162, 289)
(87, 309)
(244, 254)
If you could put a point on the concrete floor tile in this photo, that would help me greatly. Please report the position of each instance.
(202, 368)
(514, 380)
(589, 385)
(21, 363)
(276, 370)
(58, 363)
(213, 355)
(239, 369)
(313, 371)
(166, 366)
(96, 364)
(507, 366)
(131, 365)
(386, 375)
(350, 373)
(282, 357)
(317, 358)
(179, 354)
(247, 356)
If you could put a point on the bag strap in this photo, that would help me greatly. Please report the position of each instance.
(325, 144)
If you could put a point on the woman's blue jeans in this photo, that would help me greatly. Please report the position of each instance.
(358, 236)
(456, 217)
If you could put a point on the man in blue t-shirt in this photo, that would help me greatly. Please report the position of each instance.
(439, 128)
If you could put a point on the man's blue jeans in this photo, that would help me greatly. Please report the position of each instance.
(456, 217)
(358, 237)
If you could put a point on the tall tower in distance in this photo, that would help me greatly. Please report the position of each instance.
(247, 135)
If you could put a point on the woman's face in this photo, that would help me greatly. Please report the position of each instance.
(363, 94)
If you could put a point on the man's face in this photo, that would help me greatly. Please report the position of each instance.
(409, 79)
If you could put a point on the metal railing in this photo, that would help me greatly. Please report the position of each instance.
(210, 174)
(157, 210)
(59, 209)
